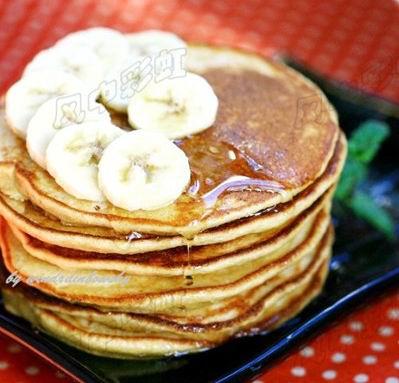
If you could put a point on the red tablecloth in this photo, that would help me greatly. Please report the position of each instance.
(352, 40)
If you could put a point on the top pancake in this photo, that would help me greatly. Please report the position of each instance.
(279, 126)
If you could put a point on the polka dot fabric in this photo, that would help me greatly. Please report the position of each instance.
(356, 41)
(363, 348)
(19, 365)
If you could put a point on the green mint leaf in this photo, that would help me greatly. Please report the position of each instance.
(366, 140)
(354, 172)
(366, 208)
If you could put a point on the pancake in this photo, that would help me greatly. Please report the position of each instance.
(154, 293)
(261, 119)
(233, 306)
(41, 225)
(193, 259)
(120, 335)
(207, 317)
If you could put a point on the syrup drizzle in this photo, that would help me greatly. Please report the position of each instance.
(133, 235)
(241, 183)
(188, 278)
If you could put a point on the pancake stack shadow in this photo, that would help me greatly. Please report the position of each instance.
(194, 274)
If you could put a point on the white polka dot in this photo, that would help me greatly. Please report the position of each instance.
(329, 374)
(377, 346)
(61, 375)
(14, 348)
(257, 381)
(361, 378)
(307, 352)
(347, 339)
(393, 314)
(392, 379)
(3, 365)
(356, 326)
(386, 331)
(32, 370)
(396, 364)
(298, 371)
(369, 359)
(338, 357)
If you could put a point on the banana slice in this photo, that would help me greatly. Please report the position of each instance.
(77, 61)
(110, 46)
(176, 107)
(151, 42)
(26, 95)
(143, 170)
(142, 66)
(121, 83)
(73, 155)
(56, 114)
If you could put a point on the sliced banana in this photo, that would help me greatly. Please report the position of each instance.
(176, 107)
(143, 170)
(142, 66)
(73, 155)
(26, 95)
(56, 114)
(110, 46)
(77, 61)
(152, 42)
(121, 83)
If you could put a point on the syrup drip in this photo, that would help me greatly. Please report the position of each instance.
(133, 235)
(187, 270)
(241, 183)
(194, 188)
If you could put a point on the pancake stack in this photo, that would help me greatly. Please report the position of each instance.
(242, 250)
